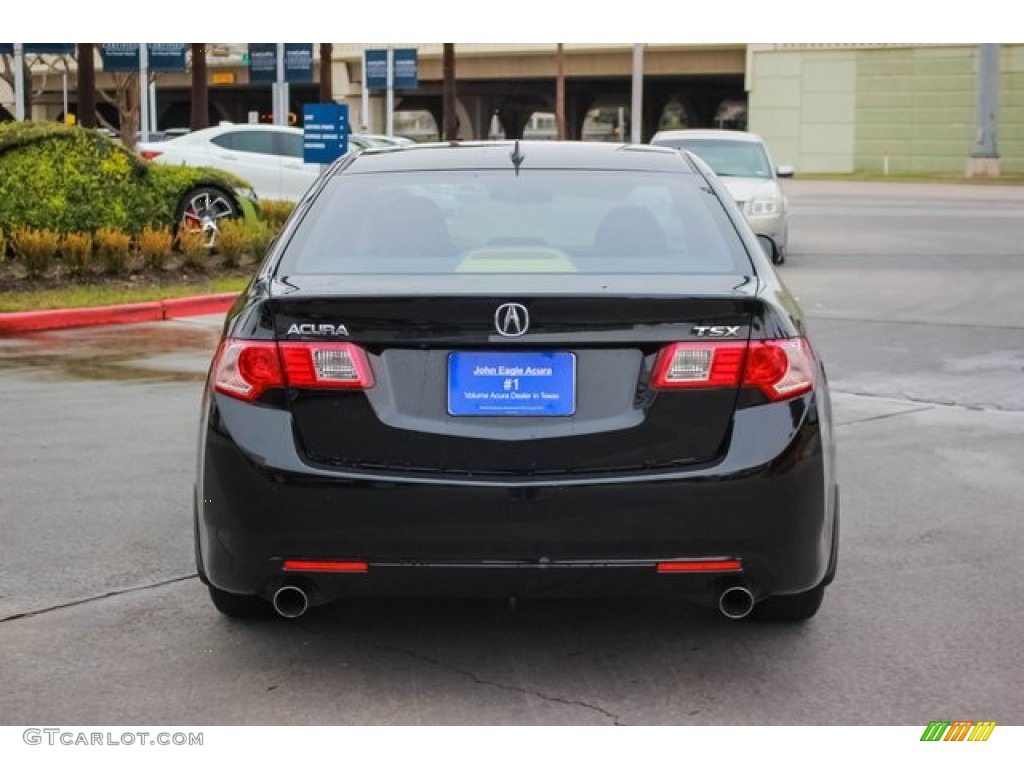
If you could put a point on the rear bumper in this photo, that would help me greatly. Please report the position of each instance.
(767, 503)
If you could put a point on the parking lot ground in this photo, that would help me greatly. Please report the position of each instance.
(102, 620)
(922, 619)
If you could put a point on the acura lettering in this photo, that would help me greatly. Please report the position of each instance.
(323, 329)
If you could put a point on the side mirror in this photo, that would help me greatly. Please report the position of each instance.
(784, 171)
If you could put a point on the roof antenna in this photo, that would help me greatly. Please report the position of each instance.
(517, 157)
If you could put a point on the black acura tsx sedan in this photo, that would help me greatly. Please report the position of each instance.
(517, 368)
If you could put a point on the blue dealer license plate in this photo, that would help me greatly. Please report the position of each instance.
(512, 384)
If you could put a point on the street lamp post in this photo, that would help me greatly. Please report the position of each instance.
(143, 92)
(637, 105)
(19, 82)
(560, 93)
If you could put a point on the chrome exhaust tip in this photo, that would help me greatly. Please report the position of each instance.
(291, 601)
(736, 602)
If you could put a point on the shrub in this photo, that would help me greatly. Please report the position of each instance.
(276, 212)
(76, 247)
(233, 241)
(113, 248)
(192, 244)
(72, 179)
(3, 245)
(260, 235)
(35, 248)
(155, 245)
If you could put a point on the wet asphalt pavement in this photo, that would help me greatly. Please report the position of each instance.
(914, 299)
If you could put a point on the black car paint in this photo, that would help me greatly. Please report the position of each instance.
(766, 494)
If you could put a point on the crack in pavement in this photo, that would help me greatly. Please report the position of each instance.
(911, 399)
(494, 684)
(884, 416)
(94, 598)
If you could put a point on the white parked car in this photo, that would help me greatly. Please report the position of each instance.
(741, 160)
(380, 140)
(269, 157)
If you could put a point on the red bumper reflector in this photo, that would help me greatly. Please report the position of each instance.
(701, 566)
(325, 566)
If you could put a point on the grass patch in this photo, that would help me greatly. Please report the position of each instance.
(71, 296)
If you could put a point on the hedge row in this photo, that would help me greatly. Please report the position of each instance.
(112, 251)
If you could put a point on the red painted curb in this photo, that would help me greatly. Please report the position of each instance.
(143, 312)
(48, 319)
(198, 305)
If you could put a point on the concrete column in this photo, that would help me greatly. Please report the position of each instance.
(579, 100)
(984, 159)
(481, 110)
(654, 105)
(513, 119)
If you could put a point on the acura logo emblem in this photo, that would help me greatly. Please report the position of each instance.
(511, 320)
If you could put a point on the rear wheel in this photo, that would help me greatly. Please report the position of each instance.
(798, 607)
(239, 606)
(203, 208)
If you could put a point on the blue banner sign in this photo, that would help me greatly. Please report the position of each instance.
(262, 62)
(511, 384)
(405, 65)
(57, 49)
(160, 57)
(166, 57)
(376, 69)
(298, 62)
(120, 57)
(406, 69)
(325, 131)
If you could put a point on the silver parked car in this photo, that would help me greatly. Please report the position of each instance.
(741, 160)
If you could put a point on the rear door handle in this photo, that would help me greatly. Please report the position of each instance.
(228, 156)
(294, 166)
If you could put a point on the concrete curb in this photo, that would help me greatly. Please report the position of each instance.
(143, 312)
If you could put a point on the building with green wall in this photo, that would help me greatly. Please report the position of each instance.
(880, 108)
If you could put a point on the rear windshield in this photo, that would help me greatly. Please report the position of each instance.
(501, 222)
(727, 158)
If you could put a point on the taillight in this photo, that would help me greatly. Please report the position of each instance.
(781, 368)
(327, 365)
(150, 154)
(247, 369)
(699, 364)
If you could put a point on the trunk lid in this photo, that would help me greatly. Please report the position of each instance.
(599, 345)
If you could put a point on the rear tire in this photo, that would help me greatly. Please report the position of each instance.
(787, 608)
(239, 606)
